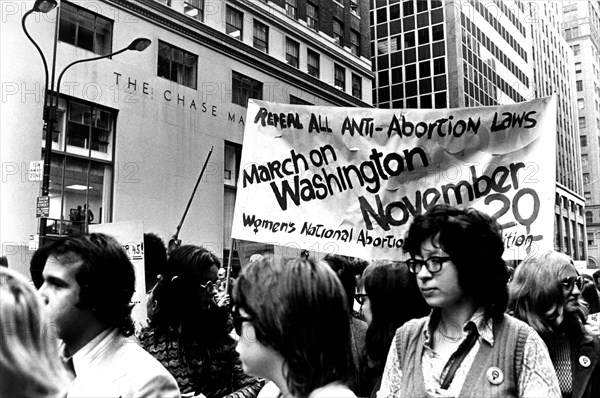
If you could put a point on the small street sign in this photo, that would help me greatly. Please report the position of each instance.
(43, 207)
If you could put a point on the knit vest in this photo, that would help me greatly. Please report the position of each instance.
(510, 336)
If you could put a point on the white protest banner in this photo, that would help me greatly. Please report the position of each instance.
(350, 180)
(130, 234)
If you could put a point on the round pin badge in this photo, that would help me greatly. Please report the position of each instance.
(495, 375)
(584, 361)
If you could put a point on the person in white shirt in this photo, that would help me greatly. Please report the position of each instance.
(88, 285)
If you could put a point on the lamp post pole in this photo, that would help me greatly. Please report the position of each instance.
(52, 95)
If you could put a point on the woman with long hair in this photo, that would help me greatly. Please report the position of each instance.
(30, 365)
(390, 299)
(546, 293)
(467, 346)
(189, 332)
(293, 323)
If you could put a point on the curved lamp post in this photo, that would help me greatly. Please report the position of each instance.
(51, 106)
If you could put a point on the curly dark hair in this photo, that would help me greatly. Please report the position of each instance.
(106, 278)
(300, 310)
(473, 240)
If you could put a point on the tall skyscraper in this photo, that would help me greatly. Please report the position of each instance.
(581, 28)
(435, 54)
(553, 72)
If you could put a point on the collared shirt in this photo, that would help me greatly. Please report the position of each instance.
(112, 365)
(537, 377)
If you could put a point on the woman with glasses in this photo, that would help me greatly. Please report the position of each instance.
(390, 298)
(546, 293)
(189, 333)
(292, 320)
(467, 346)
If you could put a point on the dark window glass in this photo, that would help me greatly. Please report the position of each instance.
(397, 75)
(395, 11)
(410, 56)
(356, 86)
(338, 32)
(194, 9)
(426, 101)
(437, 32)
(408, 23)
(410, 72)
(383, 78)
(384, 94)
(439, 49)
(261, 36)
(423, 36)
(411, 103)
(397, 91)
(234, 24)
(381, 15)
(424, 86)
(439, 66)
(396, 58)
(424, 69)
(422, 20)
(177, 65)
(339, 79)
(85, 29)
(421, 5)
(408, 7)
(292, 52)
(409, 39)
(424, 52)
(244, 88)
(312, 16)
(439, 83)
(383, 62)
(313, 63)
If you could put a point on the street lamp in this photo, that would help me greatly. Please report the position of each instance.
(51, 106)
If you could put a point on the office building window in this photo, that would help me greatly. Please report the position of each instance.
(583, 140)
(194, 9)
(579, 84)
(356, 86)
(81, 172)
(580, 103)
(576, 49)
(339, 78)
(292, 52)
(355, 42)
(587, 195)
(577, 67)
(177, 65)
(586, 178)
(338, 32)
(590, 239)
(85, 29)
(312, 16)
(582, 122)
(244, 88)
(291, 8)
(313, 63)
(589, 217)
(261, 36)
(234, 24)
(354, 7)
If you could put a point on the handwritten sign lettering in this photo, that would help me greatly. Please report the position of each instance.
(350, 180)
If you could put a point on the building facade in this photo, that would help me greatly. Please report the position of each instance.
(581, 29)
(133, 131)
(553, 72)
(436, 54)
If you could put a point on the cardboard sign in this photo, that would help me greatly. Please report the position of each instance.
(350, 180)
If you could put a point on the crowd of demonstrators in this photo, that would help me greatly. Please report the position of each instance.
(342, 267)
(293, 322)
(29, 363)
(546, 293)
(189, 332)
(467, 346)
(87, 289)
(390, 297)
(435, 326)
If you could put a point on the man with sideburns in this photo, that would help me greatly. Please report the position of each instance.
(88, 285)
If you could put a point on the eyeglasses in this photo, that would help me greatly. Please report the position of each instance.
(570, 282)
(209, 286)
(433, 264)
(238, 320)
(361, 298)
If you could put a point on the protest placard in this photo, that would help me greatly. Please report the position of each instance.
(350, 180)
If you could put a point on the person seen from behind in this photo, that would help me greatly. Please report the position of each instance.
(292, 320)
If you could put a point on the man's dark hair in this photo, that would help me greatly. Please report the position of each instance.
(106, 278)
(473, 240)
(155, 257)
(596, 276)
(36, 266)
